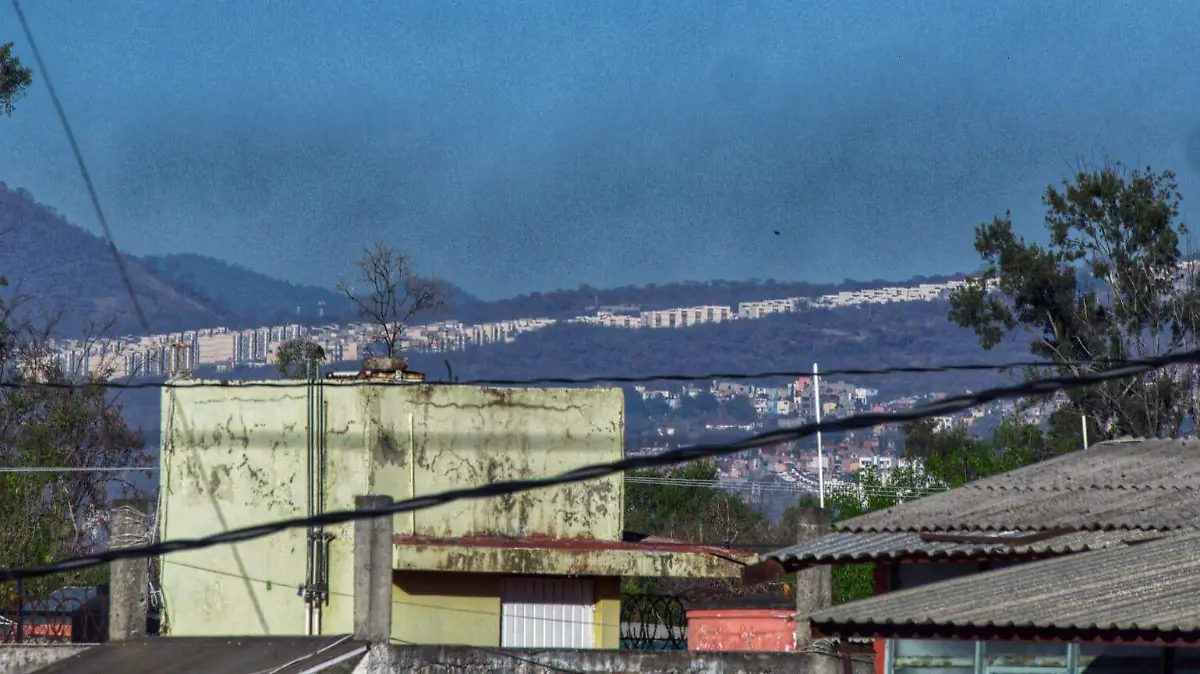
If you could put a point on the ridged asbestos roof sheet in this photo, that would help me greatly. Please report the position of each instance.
(1152, 587)
(845, 548)
(1126, 484)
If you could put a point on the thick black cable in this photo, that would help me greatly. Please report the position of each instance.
(599, 379)
(672, 457)
(87, 176)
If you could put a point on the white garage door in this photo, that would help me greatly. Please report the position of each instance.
(548, 613)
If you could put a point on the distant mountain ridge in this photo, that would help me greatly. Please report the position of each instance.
(70, 273)
(71, 270)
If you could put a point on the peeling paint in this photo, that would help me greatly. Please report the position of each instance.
(569, 558)
(387, 450)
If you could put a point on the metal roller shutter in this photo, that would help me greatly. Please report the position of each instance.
(548, 613)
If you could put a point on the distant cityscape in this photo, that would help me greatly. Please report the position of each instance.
(786, 467)
(224, 349)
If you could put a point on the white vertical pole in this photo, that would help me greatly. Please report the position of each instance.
(820, 453)
(1085, 442)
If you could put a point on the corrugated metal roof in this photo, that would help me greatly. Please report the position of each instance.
(198, 655)
(1148, 484)
(843, 548)
(1152, 587)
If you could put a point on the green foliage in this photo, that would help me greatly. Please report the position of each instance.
(952, 457)
(14, 79)
(44, 513)
(699, 514)
(695, 514)
(299, 358)
(1121, 227)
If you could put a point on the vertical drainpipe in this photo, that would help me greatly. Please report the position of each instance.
(412, 469)
(322, 571)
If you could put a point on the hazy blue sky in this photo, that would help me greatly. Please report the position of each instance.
(516, 146)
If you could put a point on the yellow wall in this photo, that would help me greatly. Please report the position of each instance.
(237, 456)
(446, 608)
(608, 613)
(464, 609)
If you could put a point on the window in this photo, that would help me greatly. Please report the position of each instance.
(921, 656)
(1051, 658)
(933, 656)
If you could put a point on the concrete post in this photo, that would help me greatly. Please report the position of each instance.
(129, 579)
(373, 572)
(814, 585)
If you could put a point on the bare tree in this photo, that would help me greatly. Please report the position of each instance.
(389, 294)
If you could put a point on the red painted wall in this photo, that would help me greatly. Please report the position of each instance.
(741, 629)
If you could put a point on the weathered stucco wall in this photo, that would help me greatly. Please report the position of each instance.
(27, 658)
(236, 456)
(467, 660)
(524, 557)
(461, 436)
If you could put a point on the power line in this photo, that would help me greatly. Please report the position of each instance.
(783, 487)
(790, 374)
(76, 469)
(299, 383)
(87, 176)
(737, 485)
(673, 457)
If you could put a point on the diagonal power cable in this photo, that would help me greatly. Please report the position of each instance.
(598, 379)
(87, 176)
(668, 458)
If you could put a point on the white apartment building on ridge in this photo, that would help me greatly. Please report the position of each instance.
(223, 348)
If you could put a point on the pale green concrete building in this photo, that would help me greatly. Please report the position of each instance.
(489, 572)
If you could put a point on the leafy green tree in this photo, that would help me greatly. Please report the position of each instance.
(47, 514)
(697, 514)
(14, 79)
(951, 457)
(1122, 228)
(298, 358)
